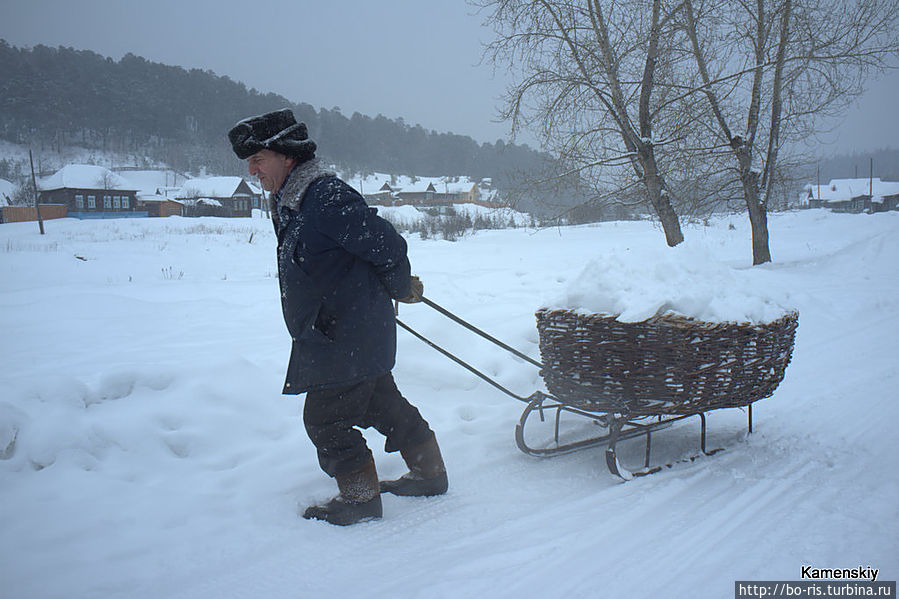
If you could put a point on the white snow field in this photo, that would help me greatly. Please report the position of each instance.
(146, 450)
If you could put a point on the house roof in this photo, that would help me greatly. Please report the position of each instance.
(148, 181)
(6, 190)
(256, 189)
(206, 201)
(155, 197)
(85, 176)
(401, 183)
(841, 190)
(212, 187)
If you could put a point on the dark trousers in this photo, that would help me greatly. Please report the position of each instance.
(332, 416)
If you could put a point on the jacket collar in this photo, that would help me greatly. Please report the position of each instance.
(298, 181)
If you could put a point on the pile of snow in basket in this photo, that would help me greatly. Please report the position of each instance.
(636, 283)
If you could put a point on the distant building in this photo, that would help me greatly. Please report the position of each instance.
(218, 196)
(156, 204)
(428, 192)
(152, 186)
(385, 196)
(852, 195)
(89, 191)
(7, 189)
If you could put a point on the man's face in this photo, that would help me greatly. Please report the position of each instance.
(270, 167)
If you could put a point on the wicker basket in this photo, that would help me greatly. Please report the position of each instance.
(664, 365)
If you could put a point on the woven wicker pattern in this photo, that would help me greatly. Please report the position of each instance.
(664, 365)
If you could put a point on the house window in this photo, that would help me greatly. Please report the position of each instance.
(91, 202)
(79, 201)
(107, 202)
(116, 201)
(125, 202)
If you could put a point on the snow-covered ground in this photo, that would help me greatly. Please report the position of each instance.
(48, 159)
(146, 451)
(407, 218)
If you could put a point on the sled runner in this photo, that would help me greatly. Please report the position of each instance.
(634, 379)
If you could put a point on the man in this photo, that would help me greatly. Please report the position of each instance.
(340, 266)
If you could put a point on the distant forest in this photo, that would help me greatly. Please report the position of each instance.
(59, 97)
(883, 163)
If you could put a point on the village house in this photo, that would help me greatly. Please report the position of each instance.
(852, 195)
(149, 183)
(218, 196)
(7, 190)
(89, 191)
(156, 204)
(385, 196)
(433, 193)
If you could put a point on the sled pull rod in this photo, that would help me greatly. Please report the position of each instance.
(483, 334)
(461, 362)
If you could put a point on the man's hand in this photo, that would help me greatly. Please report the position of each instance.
(418, 291)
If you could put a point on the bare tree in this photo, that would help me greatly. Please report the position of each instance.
(770, 71)
(109, 180)
(588, 87)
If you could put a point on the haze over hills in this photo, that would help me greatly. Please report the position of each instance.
(885, 164)
(57, 97)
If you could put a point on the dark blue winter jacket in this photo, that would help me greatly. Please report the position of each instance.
(339, 265)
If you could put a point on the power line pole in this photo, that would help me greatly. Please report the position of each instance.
(37, 204)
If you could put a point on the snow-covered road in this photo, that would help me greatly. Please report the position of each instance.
(146, 451)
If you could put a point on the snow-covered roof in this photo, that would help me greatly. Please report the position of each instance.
(148, 181)
(155, 197)
(210, 187)
(254, 188)
(6, 190)
(85, 176)
(374, 183)
(838, 190)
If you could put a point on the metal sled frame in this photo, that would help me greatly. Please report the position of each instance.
(619, 426)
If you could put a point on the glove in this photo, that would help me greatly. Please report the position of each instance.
(418, 291)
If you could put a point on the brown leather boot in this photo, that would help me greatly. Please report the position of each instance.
(427, 473)
(359, 499)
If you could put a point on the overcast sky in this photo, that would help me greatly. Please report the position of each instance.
(416, 59)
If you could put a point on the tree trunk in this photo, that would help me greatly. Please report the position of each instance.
(758, 220)
(758, 213)
(652, 178)
(655, 190)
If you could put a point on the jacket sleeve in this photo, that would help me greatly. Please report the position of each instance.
(357, 228)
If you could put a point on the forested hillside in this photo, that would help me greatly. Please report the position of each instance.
(882, 163)
(54, 97)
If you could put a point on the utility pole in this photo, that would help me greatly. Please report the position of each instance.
(871, 181)
(37, 204)
(818, 179)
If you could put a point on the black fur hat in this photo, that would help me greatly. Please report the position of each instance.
(277, 131)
